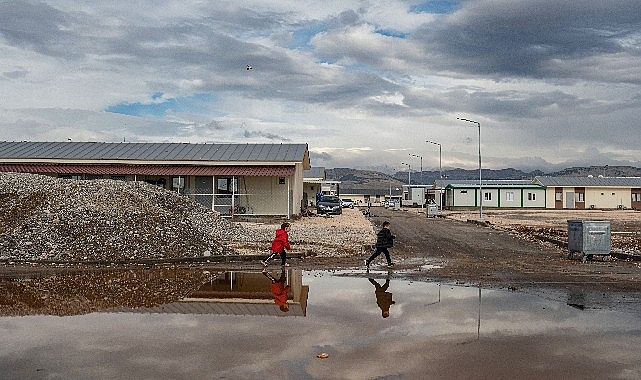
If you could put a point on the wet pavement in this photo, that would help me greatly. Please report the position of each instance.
(362, 325)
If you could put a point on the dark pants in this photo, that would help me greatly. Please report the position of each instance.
(283, 277)
(283, 257)
(378, 251)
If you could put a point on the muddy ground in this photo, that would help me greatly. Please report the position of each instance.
(504, 255)
(511, 250)
(500, 253)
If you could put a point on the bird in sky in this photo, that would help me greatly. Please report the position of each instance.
(249, 67)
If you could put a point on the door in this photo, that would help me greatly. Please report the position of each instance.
(569, 199)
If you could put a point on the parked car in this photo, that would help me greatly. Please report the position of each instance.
(329, 204)
(346, 202)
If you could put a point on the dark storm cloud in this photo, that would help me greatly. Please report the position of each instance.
(35, 26)
(527, 38)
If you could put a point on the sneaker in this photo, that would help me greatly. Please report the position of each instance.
(366, 263)
(264, 263)
(286, 265)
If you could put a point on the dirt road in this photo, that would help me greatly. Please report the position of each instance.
(470, 253)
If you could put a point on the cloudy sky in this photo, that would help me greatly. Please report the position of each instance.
(553, 83)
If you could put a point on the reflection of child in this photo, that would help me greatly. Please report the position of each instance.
(279, 289)
(279, 244)
(383, 297)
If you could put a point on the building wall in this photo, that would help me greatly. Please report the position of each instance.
(550, 200)
(594, 197)
(608, 198)
(296, 185)
(490, 197)
(497, 197)
(463, 198)
(536, 200)
(510, 198)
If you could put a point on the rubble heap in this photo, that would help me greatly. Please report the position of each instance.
(45, 218)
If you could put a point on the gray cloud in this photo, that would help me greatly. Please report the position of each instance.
(533, 38)
(363, 84)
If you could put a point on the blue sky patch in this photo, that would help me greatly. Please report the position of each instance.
(437, 7)
(301, 37)
(196, 104)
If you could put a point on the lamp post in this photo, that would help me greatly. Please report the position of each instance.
(409, 173)
(440, 168)
(440, 172)
(422, 188)
(421, 157)
(480, 184)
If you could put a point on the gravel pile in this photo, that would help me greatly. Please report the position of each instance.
(63, 220)
(46, 218)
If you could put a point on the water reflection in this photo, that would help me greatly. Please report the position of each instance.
(383, 297)
(82, 292)
(433, 331)
(242, 293)
(279, 289)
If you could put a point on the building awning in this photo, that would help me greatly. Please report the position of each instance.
(154, 170)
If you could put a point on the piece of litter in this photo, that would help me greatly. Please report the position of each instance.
(323, 355)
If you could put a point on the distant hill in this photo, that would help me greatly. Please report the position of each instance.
(370, 179)
(363, 179)
(606, 171)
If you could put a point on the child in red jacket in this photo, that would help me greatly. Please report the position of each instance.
(280, 243)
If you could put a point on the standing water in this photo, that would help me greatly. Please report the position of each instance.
(194, 324)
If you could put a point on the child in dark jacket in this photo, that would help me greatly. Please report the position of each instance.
(279, 244)
(384, 240)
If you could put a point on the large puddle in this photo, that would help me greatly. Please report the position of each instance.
(144, 325)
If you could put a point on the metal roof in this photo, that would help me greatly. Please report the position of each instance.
(224, 308)
(97, 151)
(221, 170)
(317, 172)
(370, 192)
(589, 181)
(489, 182)
(495, 186)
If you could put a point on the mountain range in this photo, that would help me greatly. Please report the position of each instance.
(370, 179)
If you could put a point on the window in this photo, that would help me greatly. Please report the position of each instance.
(636, 197)
(531, 196)
(226, 185)
(559, 196)
(509, 196)
(463, 191)
(281, 180)
(580, 197)
(487, 196)
(118, 177)
(178, 182)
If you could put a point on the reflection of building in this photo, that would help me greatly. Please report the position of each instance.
(240, 293)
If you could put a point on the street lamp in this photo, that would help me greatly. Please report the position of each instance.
(440, 168)
(480, 184)
(422, 188)
(409, 173)
(421, 157)
(440, 173)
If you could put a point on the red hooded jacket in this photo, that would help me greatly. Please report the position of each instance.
(279, 291)
(281, 241)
